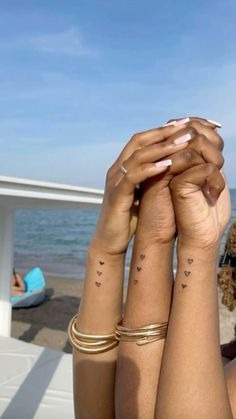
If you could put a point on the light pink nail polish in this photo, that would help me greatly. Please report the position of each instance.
(177, 123)
(182, 121)
(182, 139)
(164, 163)
(217, 124)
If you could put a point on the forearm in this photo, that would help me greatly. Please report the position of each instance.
(192, 382)
(148, 301)
(100, 311)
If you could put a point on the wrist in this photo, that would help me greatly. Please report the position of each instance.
(96, 249)
(188, 250)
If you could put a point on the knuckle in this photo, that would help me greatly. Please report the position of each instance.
(136, 138)
(136, 156)
(220, 142)
(221, 161)
(109, 173)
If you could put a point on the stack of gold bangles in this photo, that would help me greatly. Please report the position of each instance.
(98, 343)
(90, 343)
(142, 335)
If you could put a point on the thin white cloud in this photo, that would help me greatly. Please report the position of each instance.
(68, 42)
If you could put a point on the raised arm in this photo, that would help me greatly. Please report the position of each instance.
(100, 309)
(192, 383)
(151, 274)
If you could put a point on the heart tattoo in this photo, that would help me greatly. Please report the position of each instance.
(183, 285)
(189, 260)
(138, 268)
(142, 257)
(187, 273)
(99, 273)
(135, 281)
(101, 263)
(98, 284)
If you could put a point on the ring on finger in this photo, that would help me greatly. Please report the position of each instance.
(123, 169)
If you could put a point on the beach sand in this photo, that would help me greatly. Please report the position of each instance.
(46, 325)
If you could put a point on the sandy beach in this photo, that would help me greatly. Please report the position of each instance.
(46, 325)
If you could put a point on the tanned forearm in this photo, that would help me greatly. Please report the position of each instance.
(192, 383)
(148, 301)
(100, 311)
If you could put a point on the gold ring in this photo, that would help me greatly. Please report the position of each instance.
(123, 169)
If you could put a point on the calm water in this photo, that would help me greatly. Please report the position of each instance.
(56, 240)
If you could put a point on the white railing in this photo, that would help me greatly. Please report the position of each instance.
(18, 193)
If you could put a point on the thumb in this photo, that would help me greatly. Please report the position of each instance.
(203, 176)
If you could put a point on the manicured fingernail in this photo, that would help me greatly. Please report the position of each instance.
(163, 163)
(182, 121)
(182, 139)
(217, 124)
(177, 123)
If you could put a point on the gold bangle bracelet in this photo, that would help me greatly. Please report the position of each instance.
(86, 335)
(90, 343)
(142, 335)
(100, 350)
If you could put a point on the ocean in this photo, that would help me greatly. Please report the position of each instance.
(57, 240)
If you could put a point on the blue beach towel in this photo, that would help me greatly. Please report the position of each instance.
(35, 290)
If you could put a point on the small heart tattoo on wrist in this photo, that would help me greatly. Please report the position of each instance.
(187, 273)
(189, 260)
(183, 285)
(98, 284)
(138, 268)
(99, 273)
(101, 263)
(142, 257)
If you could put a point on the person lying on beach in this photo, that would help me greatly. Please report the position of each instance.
(17, 284)
(155, 373)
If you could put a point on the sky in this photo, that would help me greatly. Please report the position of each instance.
(79, 77)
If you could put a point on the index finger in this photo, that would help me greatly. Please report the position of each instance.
(207, 122)
(145, 138)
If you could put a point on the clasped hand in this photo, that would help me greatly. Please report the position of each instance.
(182, 188)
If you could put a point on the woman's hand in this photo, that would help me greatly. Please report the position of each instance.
(156, 214)
(142, 158)
(202, 205)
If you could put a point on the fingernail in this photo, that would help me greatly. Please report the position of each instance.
(182, 139)
(177, 123)
(169, 124)
(182, 121)
(217, 124)
(163, 163)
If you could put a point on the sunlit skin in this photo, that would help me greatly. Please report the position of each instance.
(151, 218)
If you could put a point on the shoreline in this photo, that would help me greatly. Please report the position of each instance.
(46, 324)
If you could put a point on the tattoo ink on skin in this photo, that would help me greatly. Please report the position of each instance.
(142, 256)
(183, 286)
(187, 273)
(99, 273)
(98, 284)
(139, 268)
(135, 281)
(190, 261)
(101, 262)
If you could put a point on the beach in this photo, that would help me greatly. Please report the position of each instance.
(46, 325)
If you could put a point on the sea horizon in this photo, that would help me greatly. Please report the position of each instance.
(56, 240)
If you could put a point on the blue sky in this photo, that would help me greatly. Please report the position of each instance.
(77, 78)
